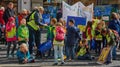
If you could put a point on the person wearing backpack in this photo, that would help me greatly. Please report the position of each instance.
(71, 39)
(58, 43)
(10, 32)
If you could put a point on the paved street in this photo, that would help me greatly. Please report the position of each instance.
(5, 62)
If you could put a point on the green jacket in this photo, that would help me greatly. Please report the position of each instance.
(50, 32)
(23, 33)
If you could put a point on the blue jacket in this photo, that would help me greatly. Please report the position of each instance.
(72, 34)
(114, 25)
(22, 56)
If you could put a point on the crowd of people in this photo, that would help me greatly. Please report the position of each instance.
(24, 30)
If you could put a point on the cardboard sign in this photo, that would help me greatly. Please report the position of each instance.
(104, 54)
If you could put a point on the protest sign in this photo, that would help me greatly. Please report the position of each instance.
(104, 54)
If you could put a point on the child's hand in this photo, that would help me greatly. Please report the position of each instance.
(25, 60)
(45, 25)
(27, 39)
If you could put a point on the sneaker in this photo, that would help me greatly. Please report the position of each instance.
(10, 56)
(33, 61)
(55, 64)
(108, 62)
(114, 59)
(62, 63)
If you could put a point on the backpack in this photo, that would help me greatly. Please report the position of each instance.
(59, 34)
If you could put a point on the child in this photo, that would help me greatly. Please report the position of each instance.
(50, 29)
(110, 43)
(98, 37)
(11, 36)
(23, 32)
(83, 51)
(71, 39)
(89, 33)
(23, 54)
(58, 43)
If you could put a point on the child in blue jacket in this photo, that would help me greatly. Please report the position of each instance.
(23, 54)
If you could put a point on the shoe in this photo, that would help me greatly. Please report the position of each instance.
(33, 61)
(114, 59)
(55, 64)
(10, 56)
(62, 63)
(108, 62)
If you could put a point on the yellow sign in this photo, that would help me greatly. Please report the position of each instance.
(82, 28)
(104, 55)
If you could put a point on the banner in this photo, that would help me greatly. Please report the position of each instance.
(78, 10)
(86, 11)
(104, 10)
(69, 10)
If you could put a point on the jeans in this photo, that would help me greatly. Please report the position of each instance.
(98, 46)
(114, 52)
(34, 38)
(58, 52)
(90, 44)
(70, 52)
(109, 58)
(85, 57)
(13, 49)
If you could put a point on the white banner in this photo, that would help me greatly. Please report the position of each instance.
(86, 12)
(69, 10)
(78, 10)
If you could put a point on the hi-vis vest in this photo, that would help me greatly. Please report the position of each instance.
(98, 37)
(32, 22)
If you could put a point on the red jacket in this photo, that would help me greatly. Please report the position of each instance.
(1, 17)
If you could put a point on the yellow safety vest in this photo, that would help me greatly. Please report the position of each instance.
(32, 22)
(99, 36)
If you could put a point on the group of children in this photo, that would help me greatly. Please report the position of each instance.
(65, 37)
(61, 37)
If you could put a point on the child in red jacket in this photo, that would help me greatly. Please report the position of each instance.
(11, 36)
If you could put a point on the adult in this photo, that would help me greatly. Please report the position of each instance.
(35, 21)
(59, 14)
(2, 26)
(9, 12)
(2, 9)
(22, 15)
(114, 24)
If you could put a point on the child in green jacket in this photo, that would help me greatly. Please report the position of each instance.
(23, 32)
(50, 32)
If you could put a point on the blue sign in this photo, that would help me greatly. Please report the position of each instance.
(102, 10)
(78, 20)
(46, 18)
